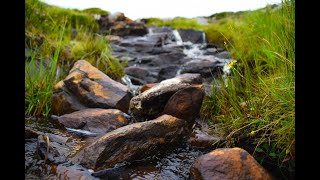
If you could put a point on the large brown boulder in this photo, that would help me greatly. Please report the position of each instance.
(186, 103)
(95, 120)
(228, 163)
(132, 142)
(151, 103)
(87, 87)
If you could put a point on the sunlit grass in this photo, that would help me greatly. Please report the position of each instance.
(259, 101)
(60, 37)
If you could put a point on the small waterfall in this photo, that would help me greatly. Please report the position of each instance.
(82, 132)
(177, 37)
(133, 88)
(204, 37)
(150, 32)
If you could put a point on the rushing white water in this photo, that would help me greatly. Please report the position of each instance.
(80, 131)
(150, 32)
(194, 50)
(125, 79)
(204, 37)
(177, 37)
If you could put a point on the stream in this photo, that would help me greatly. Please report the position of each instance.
(161, 54)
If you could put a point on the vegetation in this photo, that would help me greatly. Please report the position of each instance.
(96, 11)
(177, 22)
(57, 37)
(255, 104)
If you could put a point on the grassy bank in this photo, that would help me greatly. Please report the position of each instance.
(256, 108)
(57, 37)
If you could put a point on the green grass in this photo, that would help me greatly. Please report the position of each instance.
(258, 101)
(39, 83)
(96, 11)
(48, 36)
(178, 22)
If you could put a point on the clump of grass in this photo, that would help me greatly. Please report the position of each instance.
(95, 49)
(48, 43)
(256, 108)
(40, 77)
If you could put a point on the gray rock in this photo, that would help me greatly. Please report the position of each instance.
(192, 35)
(205, 67)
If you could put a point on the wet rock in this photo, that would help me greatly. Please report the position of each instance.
(203, 140)
(95, 89)
(73, 172)
(174, 57)
(140, 75)
(30, 133)
(137, 72)
(223, 55)
(229, 163)
(168, 71)
(95, 120)
(205, 67)
(52, 151)
(132, 142)
(64, 103)
(150, 104)
(192, 35)
(186, 103)
(136, 81)
(159, 50)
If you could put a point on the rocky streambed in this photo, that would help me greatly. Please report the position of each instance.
(145, 127)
